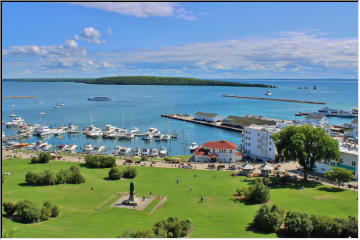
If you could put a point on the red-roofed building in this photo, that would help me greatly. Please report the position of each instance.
(217, 151)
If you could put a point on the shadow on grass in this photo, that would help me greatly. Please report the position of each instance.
(24, 184)
(298, 185)
(243, 200)
(251, 227)
(331, 189)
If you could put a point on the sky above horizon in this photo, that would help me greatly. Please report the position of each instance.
(187, 39)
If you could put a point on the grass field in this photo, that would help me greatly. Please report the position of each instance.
(218, 216)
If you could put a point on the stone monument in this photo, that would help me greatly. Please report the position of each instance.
(131, 201)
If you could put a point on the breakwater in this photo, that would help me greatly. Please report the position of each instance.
(20, 97)
(187, 118)
(274, 99)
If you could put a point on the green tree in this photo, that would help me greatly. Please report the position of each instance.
(137, 234)
(339, 175)
(27, 212)
(307, 145)
(298, 224)
(54, 211)
(269, 219)
(129, 172)
(172, 228)
(9, 208)
(115, 173)
(257, 193)
(44, 157)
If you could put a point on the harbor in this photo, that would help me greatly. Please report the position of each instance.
(274, 99)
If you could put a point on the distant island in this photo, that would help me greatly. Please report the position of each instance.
(145, 80)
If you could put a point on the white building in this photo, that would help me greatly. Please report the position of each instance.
(217, 151)
(257, 142)
(354, 126)
(317, 120)
(348, 160)
(208, 117)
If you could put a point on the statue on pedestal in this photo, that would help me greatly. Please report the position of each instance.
(132, 192)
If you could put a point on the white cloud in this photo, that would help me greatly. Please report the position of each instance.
(288, 52)
(91, 35)
(142, 9)
(71, 43)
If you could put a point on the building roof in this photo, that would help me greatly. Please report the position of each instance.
(315, 116)
(222, 144)
(213, 155)
(247, 167)
(200, 152)
(239, 154)
(266, 167)
(206, 114)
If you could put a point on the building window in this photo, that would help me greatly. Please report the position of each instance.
(230, 151)
(353, 163)
(269, 149)
(259, 134)
(230, 159)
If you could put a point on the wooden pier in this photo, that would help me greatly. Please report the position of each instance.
(187, 118)
(20, 97)
(274, 99)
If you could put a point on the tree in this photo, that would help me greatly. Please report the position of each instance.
(31, 178)
(54, 211)
(137, 234)
(350, 228)
(47, 178)
(44, 157)
(27, 212)
(298, 224)
(257, 193)
(307, 145)
(9, 208)
(339, 175)
(269, 219)
(129, 172)
(172, 228)
(115, 173)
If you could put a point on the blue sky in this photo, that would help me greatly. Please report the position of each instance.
(205, 40)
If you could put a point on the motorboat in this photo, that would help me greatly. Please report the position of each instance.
(158, 137)
(42, 113)
(268, 93)
(154, 152)
(99, 149)
(62, 147)
(145, 151)
(71, 148)
(89, 148)
(94, 133)
(12, 115)
(166, 137)
(147, 137)
(162, 152)
(16, 122)
(137, 152)
(134, 130)
(125, 151)
(117, 149)
(99, 98)
(193, 146)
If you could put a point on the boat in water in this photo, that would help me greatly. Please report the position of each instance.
(162, 152)
(154, 152)
(193, 146)
(99, 98)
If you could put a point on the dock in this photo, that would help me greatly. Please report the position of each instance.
(20, 97)
(302, 114)
(274, 99)
(188, 118)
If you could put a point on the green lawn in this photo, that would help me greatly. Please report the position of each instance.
(219, 215)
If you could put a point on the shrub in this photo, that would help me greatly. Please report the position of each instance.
(9, 208)
(269, 219)
(61, 176)
(350, 228)
(44, 157)
(34, 160)
(94, 161)
(241, 191)
(71, 175)
(129, 172)
(115, 174)
(137, 234)
(26, 212)
(74, 176)
(298, 224)
(31, 178)
(47, 178)
(172, 228)
(257, 193)
(54, 212)
(144, 158)
(321, 226)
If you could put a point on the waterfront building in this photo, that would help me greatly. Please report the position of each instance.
(217, 151)
(348, 160)
(208, 117)
(257, 142)
(316, 120)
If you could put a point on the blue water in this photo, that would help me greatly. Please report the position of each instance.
(142, 106)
